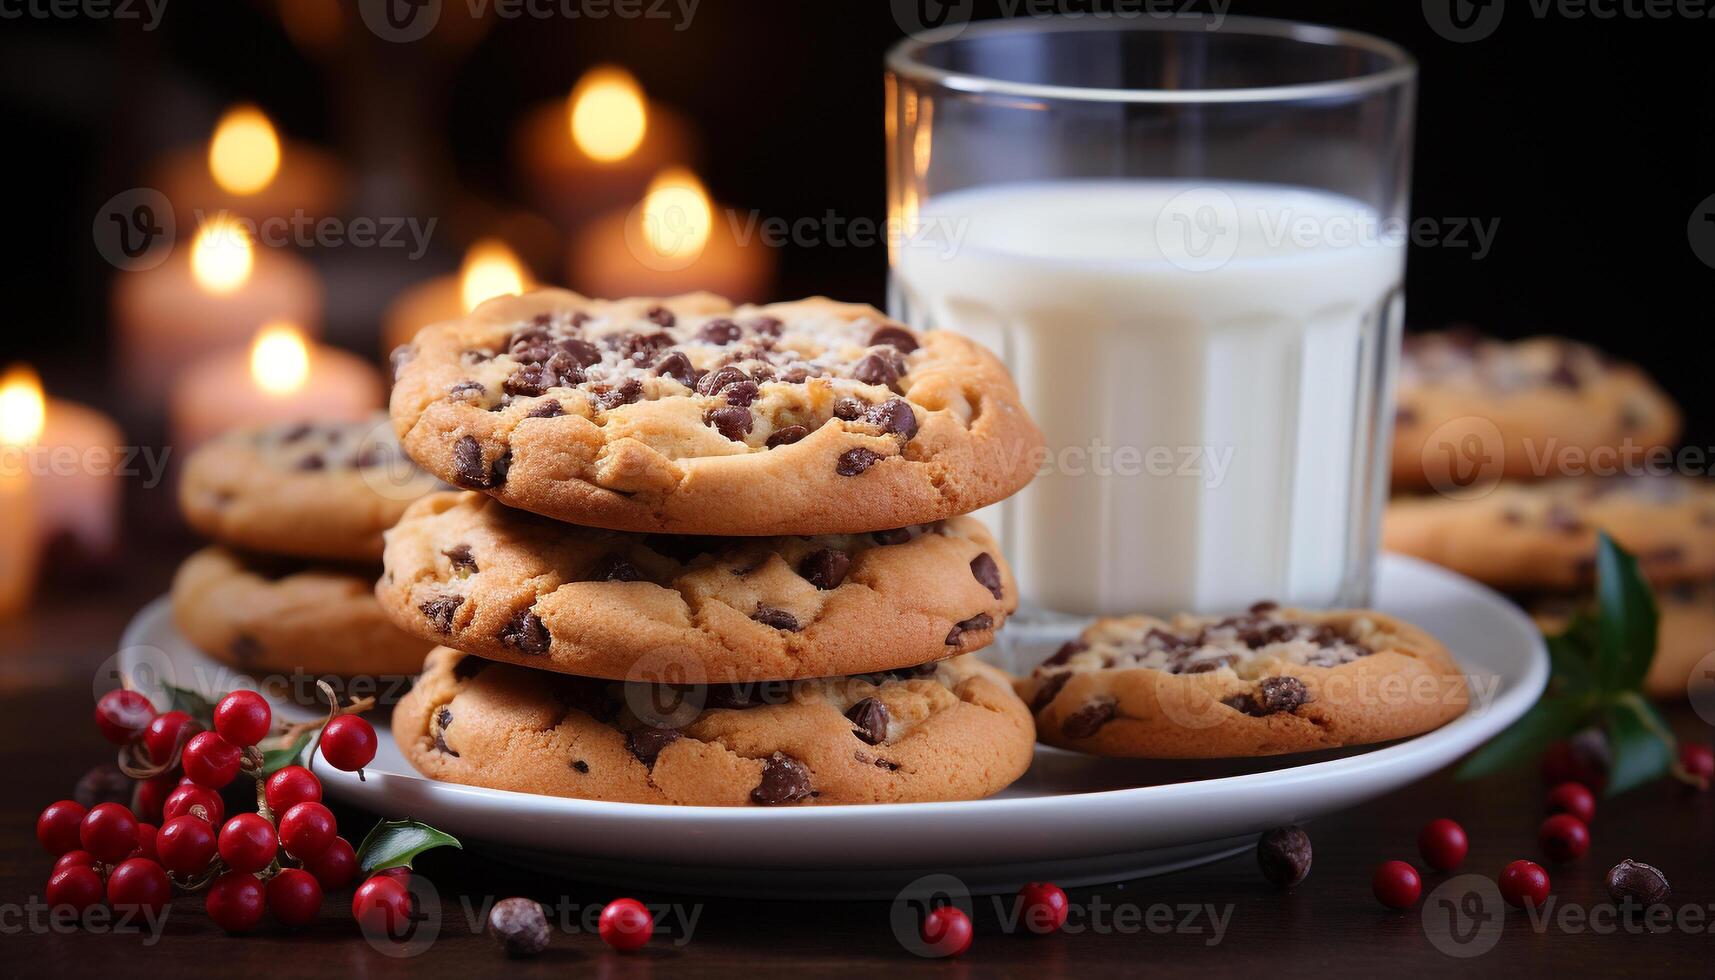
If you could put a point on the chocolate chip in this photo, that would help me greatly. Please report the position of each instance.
(469, 468)
(855, 461)
(714, 381)
(869, 720)
(443, 718)
(1283, 854)
(461, 558)
(525, 633)
(1637, 884)
(531, 345)
(628, 391)
(677, 366)
(848, 409)
(987, 572)
(893, 415)
(786, 436)
(784, 780)
(797, 375)
(519, 926)
(312, 463)
(874, 369)
(1563, 375)
(647, 742)
(767, 326)
(581, 766)
(896, 337)
(1273, 695)
(1564, 519)
(742, 393)
(1265, 606)
(1048, 689)
(502, 466)
(898, 535)
(1088, 720)
(1405, 417)
(402, 355)
(565, 370)
(549, 409)
(719, 332)
(731, 421)
(581, 352)
(660, 316)
(780, 619)
(981, 621)
(615, 568)
(638, 347)
(1067, 651)
(825, 569)
(468, 391)
(530, 380)
(440, 611)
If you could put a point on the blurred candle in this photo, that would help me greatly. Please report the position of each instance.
(281, 378)
(21, 423)
(490, 269)
(676, 240)
(598, 147)
(247, 169)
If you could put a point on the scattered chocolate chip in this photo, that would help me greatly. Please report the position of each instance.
(719, 332)
(742, 393)
(246, 648)
(894, 416)
(981, 621)
(530, 380)
(647, 742)
(580, 352)
(502, 466)
(733, 422)
(896, 337)
(874, 369)
(443, 719)
(1404, 416)
(784, 780)
(848, 409)
(898, 535)
(402, 355)
(855, 461)
(628, 391)
(1048, 689)
(886, 764)
(797, 375)
(985, 570)
(105, 783)
(1088, 720)
(1563, 375)
(1637, 884)
(767, 326)
(660, 316)
(677, 366)
(1265, 606)
(581, 766)
(440, 611)
(714, 381)
(469, 468)
(461, 558)
(1283, 854)
(639, 348)
(780, 619)
(525, 633)
(1564, 519)
(1067, 651)
(519, 926)
(615, 568)
(468, 391)
(549, 409)
(825, 569)
(1273, 695)
(312, 463)
(531, 345)
(869, 720)
(786, 436)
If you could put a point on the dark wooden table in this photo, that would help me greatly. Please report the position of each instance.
(1328, 925)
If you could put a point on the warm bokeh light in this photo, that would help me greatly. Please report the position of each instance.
(280, 359)
(490, 269)
(23, 409)
(244, 155)
(222, 254)
(677, 215)
(608, 116)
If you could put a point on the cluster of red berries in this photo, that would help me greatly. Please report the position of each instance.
(107, 853)
(1443, 845)
(1043, 907)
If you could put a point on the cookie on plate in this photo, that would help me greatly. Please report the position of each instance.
(273, 616)
(1685, 635)
(464, 570)
(322, 490)
(687, 416)
(1542, 536)
(1464, 398)
(949, 731)
(1269, 681)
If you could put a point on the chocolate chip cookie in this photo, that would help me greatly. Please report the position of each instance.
(948, 731)
(1518, 409)
(311, 490)
(1266, 682)
(464, 570)
(688, 416)
(1684, 636)
(1542, 536)
(275, 616)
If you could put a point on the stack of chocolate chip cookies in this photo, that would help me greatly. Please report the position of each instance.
(707, 555)
(1510, 457)
(297, 512)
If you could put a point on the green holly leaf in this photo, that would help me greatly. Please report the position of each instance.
(1626, 619)
(1572, 652)
(1551, 719)
(395, 843)
(1643, 745)
(275, 759)
(193, 704)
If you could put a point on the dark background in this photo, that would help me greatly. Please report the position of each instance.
(1590, 140)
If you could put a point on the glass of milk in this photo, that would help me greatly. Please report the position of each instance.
(1186, 239)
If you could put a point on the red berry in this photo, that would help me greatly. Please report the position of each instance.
(295, 897)
(334, 867)
(109, 832)
(236, 901)
(947, 931)
(1583, 758)
(243, 718)
(186, 845)
(210, 760)
(1443, 844)
(307, 829)
(151, 794)
(78, 887)
(146, 835)
(1698, 761)
(291, 786)
(1396, 884)
(123, 716)
(73, 859)
(247, 843)
(59, 827)
(139, 884)
(1524, 883)
(1573, 798)
(187, 796)
(348, 743)
(167, 734)
(1043, 907)
(1563, 837)
(381, 906)
(401, 874)
(625, 924)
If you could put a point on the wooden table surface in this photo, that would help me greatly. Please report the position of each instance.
(1329, 924)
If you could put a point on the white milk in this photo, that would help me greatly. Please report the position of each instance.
(1213, 425)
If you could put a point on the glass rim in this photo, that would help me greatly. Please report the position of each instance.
(904, 59)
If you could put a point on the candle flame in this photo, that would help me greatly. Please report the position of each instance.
(222, 255)
(23, 408)
(607, 113)
(490, 269)
(677, 215)
(244, 154)
(280, 359)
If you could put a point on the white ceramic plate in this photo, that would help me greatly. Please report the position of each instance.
(1073, 819)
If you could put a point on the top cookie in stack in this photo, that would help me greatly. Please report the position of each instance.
(763, 504)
